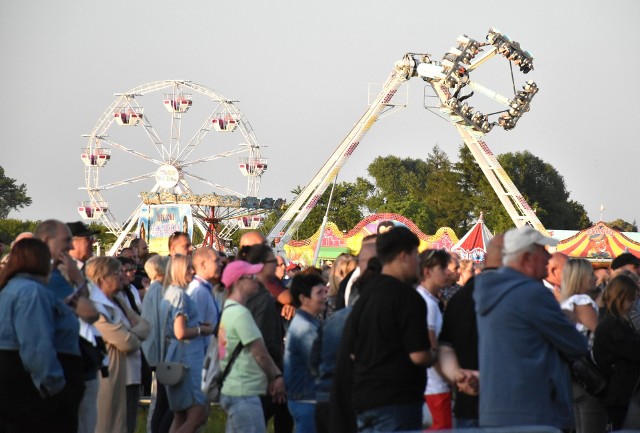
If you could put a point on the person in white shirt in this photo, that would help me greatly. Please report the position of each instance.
(435, 274)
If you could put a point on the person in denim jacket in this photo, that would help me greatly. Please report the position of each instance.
(309, 294)
(36, 394)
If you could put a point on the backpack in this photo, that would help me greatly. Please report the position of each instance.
(213, 377)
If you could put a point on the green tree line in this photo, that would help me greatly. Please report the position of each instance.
(435, 192)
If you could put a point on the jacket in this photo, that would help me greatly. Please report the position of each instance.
(298, 379)
(616, 350)
(525, 344)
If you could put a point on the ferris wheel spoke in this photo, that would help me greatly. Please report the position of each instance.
(199, 135)
(131, 151)
(215, 185)
(214, 157)
(126, 181)
(153, 136)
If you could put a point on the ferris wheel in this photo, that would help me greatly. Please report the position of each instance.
(165, 137)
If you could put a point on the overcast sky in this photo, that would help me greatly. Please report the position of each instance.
(301, 72)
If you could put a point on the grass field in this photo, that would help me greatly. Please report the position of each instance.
(215, 423)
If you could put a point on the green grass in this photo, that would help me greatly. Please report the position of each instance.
(215, 423)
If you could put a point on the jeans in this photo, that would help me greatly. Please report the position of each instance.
(304, 415)
(88, 412)
(244, 414)
(399, 417)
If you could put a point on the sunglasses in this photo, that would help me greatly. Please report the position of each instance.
(248, 277)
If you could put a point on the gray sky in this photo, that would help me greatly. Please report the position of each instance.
(301, 71)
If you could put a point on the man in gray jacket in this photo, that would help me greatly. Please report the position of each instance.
(525, 341)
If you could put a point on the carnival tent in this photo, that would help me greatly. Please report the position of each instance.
(334, 241)
(598, 243)
(473, 245)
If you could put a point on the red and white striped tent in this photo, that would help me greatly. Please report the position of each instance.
(473, 245)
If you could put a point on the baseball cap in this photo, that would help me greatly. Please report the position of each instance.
(523, 237)
(291, 266)
(236, 269)
(80, 229)
(623, 260)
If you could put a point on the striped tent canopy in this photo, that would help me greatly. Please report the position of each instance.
(473, 245)
(598, 243)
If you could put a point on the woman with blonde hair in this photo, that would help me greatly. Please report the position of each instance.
(578, 280)
(616, 347)
(186, 399)
(123, 331)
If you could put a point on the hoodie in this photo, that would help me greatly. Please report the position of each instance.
(525, 346)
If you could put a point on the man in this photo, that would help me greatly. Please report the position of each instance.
(387, 339)
(281, 266)
(367, 251)
(458, 350)
(525, 340)
(553, 280)
(140, 251)
(252, 237)
(58, 238)
(207, 265)
(625, 261)
(180, 243)
(82, 242)
(452, 285)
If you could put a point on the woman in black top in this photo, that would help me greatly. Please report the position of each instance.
(616, 347)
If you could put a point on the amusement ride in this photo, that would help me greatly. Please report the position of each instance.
(171, 157)
(449, 78)
(217, 216)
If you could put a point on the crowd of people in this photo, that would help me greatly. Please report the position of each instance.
(389, 340)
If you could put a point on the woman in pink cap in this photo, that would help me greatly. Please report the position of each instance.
(252, 373)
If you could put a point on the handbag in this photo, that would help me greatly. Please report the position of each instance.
(585, 372)
(171, 373)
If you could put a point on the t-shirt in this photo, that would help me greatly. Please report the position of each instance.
(246, 378)
(579, 299)
(386, 325)
(460, 331)
(435, 383)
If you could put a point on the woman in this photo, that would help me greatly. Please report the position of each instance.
(40, 389)
(434, 276)
(252, 373)
(153, 346)
(186, 399)
(123, 331)
(309, 297)
(577, 281)
(344, 264)
(616, 347)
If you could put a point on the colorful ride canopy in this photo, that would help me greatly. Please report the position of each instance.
(335, 241)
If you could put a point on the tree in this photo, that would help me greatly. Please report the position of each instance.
(12, 196)
(545, 191)
(399, 186)
(623, 226)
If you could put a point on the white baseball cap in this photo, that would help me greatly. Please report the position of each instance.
(523, 237)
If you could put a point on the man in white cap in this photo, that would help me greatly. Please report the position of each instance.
(525, 341)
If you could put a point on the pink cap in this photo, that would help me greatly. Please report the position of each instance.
(234, 270)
